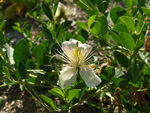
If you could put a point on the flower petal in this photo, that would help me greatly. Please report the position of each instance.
(90, 78)
(67, 77)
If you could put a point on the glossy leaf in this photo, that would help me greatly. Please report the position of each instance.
(73, 94)
(126, 40)
(49, 101)
(128, 4)
(2, 24)
(47, 11)
(102, 5)
(121, 58)
(146, 11)
(7, 72)
(95, 27)
(57, 92)
(120, 28)
(94, 9)
(21, 51)
(10, 52)
(117, 12)
(82, 25)
(39, 52)
(48, 33)
(140, 23)
(115, 37)
(129, 22)
(103, 25)
(55, 6)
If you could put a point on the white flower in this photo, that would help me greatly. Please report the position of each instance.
(76, 56)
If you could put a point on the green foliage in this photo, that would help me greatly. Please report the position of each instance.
(1, 39)
(39, 53)
(47, 11)
(21, 51)
(119, 33)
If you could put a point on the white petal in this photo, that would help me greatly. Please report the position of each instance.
(90, 78)
(67, 77)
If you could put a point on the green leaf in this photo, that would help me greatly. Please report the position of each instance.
(126, 40)
(43, 76)
(117, 81)
(7, 71)
(140, 23)
(120, 28)
(10, 52)
(49, 101)
(147, 70)
(1, 39)
(57, 92)
(135, 83)
(146, 11)
(94, 25)
(121, 58)
(140, 4)
(47, 11)
(94, 9)
(117, 12)
(22, 70)
(1, 100)
(21, 51)
(62, 26)
(115, 37)
(91, 20)
(48, 33)
(102, 5)
(55, 6)
(80, 38)
(82, 25)
(103, 25)
(39, 52)
(129, 4)
(73, 94)
(129, 22)
(2, 24)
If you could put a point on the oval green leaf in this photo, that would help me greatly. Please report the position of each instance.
(126, 40)
(39, 52)
(103, 25)
(129, 22)
(121, 58)
(47, 11)
(21, 51)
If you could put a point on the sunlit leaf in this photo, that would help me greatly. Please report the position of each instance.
(73, 94)
(126, 40)
(129, 22)
(57, 92)
(49, 101)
